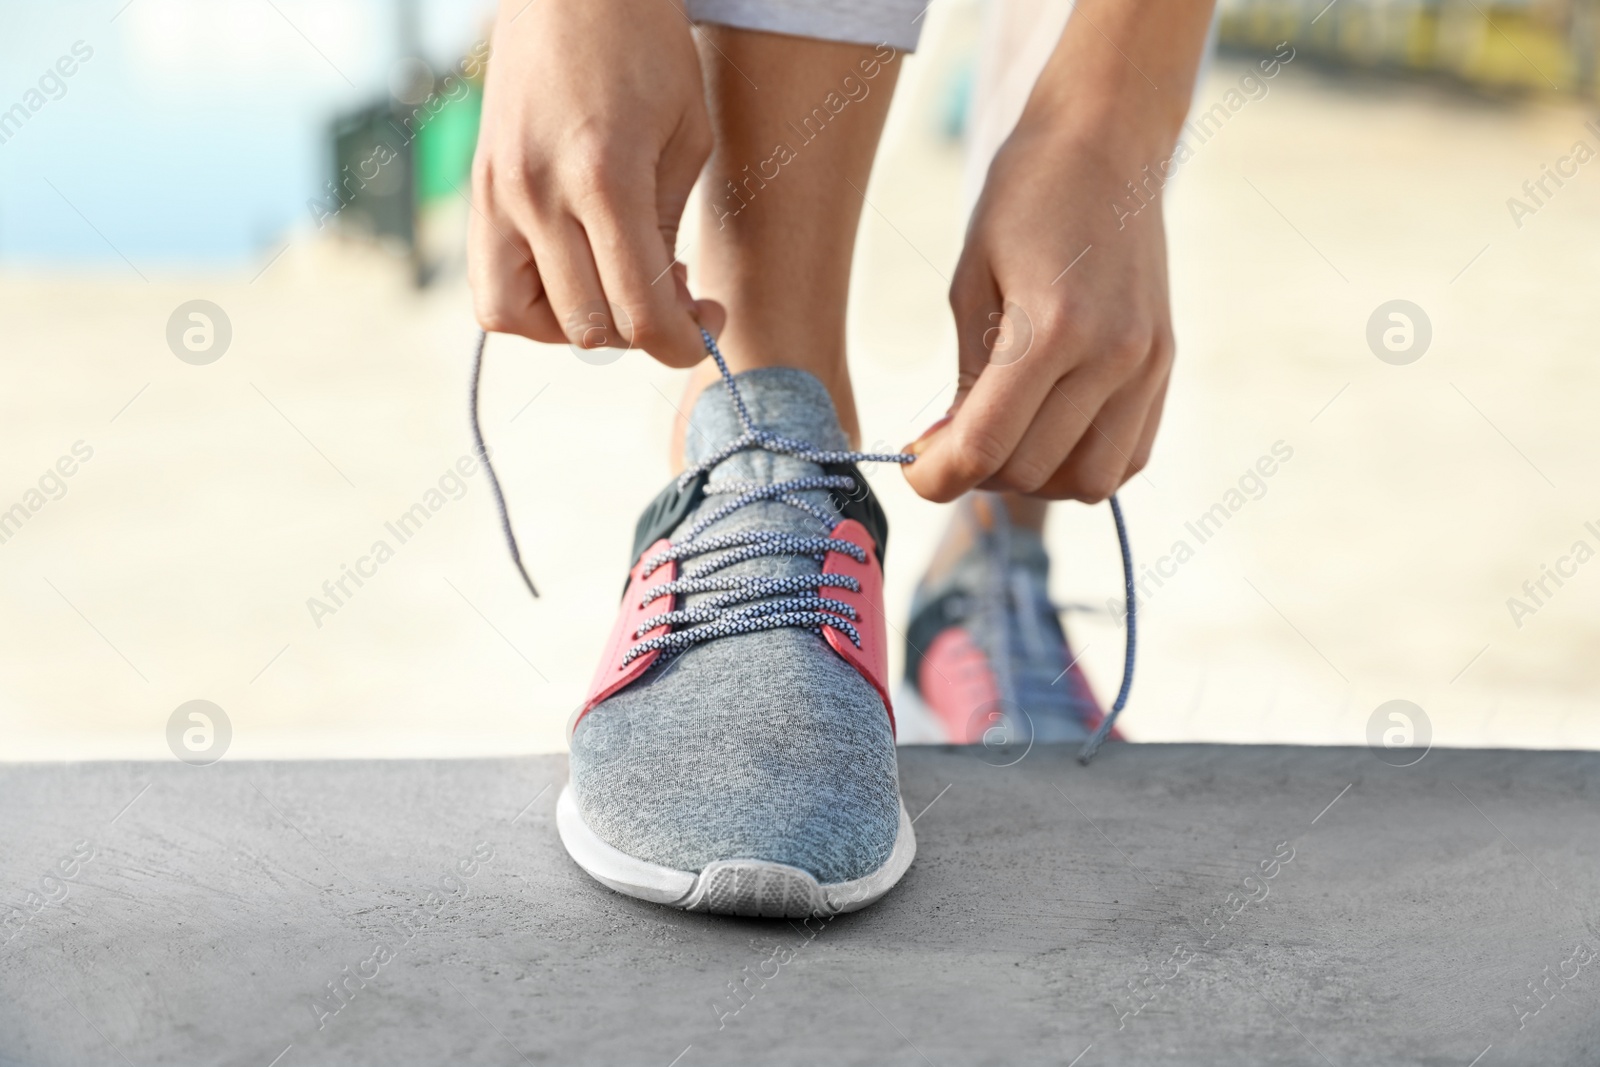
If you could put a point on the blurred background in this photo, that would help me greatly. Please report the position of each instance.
(236, 335)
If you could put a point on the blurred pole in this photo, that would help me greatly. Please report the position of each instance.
(407, 34)
(408, 39)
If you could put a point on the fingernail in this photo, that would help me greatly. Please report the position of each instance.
(922, 442)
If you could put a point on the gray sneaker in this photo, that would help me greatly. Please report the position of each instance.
(736, 752)
(987, 660)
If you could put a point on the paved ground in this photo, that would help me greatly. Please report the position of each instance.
(1172, 903)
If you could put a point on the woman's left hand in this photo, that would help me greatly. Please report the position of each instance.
(1065, 334)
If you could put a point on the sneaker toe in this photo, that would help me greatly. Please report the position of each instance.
(764, 747)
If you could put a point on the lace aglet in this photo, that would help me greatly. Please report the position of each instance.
(1096, 739)
(526, 580)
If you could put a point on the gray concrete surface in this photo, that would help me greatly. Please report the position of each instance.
(1443, 913)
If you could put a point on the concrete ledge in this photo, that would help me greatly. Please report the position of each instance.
(1416, 915)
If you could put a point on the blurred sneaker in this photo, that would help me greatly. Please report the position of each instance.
(987, 660)
(736, 751)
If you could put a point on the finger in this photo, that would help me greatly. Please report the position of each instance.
(710, 315)
(506, 291)
(635, 266)
(1070, 405)
(566, 266)
(1152, 423)
(979, 309)
(1072, 413)
(1102, 459)
(1001, 383)
(1161, 373)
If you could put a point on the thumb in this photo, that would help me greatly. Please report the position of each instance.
(981, 329)
(708, 314)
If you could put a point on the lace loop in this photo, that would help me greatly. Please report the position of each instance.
(745, 606)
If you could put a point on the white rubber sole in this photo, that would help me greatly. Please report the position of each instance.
(755, 888)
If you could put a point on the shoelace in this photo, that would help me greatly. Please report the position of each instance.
(743, 604)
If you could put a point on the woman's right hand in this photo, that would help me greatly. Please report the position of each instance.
(594, 130)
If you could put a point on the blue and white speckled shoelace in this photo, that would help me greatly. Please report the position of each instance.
(801, 601)
(731, 613)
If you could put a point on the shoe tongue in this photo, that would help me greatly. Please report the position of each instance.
(788, 402)
(1025, 549)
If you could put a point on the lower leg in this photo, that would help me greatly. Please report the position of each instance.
(782, 203)
(976, 514)
(782, 197)
(1026, 511)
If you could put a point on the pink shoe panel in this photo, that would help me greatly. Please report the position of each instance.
(612, 675)
(872, 658)
(958, 685)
